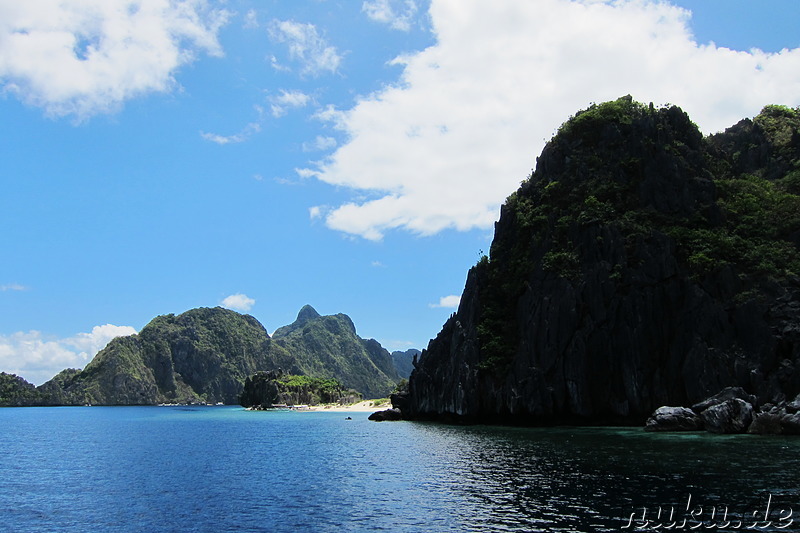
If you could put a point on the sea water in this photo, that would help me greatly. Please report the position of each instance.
(224, 469)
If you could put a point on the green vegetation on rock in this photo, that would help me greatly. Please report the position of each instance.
(266, 389)
(16, 392)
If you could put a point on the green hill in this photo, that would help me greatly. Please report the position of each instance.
(204, 356)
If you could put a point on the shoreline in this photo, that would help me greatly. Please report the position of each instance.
(366, 406)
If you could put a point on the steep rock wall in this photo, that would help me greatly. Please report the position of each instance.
(620, 279)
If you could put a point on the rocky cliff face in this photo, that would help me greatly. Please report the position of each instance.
(640, 265)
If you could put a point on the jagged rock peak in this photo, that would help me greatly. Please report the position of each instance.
(307, 313)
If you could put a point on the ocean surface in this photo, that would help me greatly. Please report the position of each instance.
(224, 469)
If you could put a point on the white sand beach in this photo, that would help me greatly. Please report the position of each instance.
(360, 407)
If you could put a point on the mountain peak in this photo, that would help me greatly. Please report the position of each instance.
(307, 313)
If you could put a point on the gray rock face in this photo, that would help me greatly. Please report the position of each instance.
(731, 416)
(673, 419)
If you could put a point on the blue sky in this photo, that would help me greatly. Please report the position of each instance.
(161, 155)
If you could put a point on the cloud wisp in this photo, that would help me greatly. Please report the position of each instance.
(281, 103)
(89, 57)
(305, 46)
(248, 131)
(454, 137)
(37, 358)
(397, 14)
(16, 287)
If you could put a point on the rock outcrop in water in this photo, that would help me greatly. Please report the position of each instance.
(640, 265)
(732, 410)
(204, 356)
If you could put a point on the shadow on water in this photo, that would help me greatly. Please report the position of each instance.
(593, 479)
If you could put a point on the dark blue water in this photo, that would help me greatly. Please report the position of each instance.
(220, 469)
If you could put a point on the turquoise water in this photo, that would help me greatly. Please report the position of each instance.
(221, 469)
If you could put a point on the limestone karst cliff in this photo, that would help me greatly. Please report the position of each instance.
(641, 264)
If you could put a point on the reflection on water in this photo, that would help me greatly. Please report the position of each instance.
(225, 469)
(588, 479)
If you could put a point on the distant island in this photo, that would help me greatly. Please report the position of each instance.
(206, 355)
(641, 265)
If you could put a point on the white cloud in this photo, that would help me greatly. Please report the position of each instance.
(306, 46)
(446, 145)
(13, 287)
(286, 100)
(238, 302)
(451, 301)
(398, 14)
(85, 57)
(37, 358)
(321, 143)
(242, 136)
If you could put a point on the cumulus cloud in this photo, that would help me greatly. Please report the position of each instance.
(238, 302)
(285, 100)
(398, 14)
(450, 302)
(454, 137)
(87, 57)
(306, 47)
(37, 358)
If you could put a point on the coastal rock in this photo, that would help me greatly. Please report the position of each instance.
(731, 416)
(391, 415)
(673, 419)
(781, 419)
